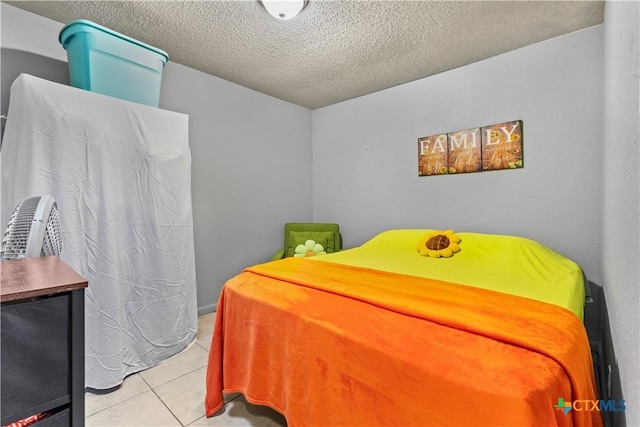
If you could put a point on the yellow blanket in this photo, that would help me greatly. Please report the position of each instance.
(328, 344)
(509, 264)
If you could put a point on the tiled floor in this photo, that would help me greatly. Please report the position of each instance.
(172, 394)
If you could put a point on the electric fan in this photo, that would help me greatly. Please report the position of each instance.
(33, 230)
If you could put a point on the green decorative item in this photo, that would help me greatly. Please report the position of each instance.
(325, 238)
(310, 248)
(296, 233)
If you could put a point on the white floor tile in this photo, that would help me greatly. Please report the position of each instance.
(180, 383)
(140, 411)
(192, 359)
(228, 397)
(205, 330)
(205, 323)
(239, 413)
(204, 341)
(184, 396)
(132, 386)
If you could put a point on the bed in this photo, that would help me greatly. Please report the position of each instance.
(381, 335)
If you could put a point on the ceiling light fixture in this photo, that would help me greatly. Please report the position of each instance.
(284, 9)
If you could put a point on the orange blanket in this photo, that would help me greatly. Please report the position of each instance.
(328, 344)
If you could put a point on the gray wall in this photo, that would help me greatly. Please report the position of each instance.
(365, 151)
(621, 154)
(251, 155)
(250, 172)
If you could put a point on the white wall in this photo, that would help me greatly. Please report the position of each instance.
(365, 151)
(25, 31)
(250, 158)
(621, 235)
(250, 161)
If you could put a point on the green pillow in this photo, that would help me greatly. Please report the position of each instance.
(295, 238)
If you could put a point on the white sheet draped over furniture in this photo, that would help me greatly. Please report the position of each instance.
(121, 174)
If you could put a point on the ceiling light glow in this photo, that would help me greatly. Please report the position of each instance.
(283, 9)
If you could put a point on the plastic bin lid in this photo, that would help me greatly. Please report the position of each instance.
(85, 22)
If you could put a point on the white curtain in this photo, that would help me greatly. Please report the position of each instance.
(121, 175)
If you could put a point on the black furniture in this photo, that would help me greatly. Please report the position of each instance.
(42, 328)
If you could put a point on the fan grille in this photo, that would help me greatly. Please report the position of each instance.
(14, 240)
(52, 243)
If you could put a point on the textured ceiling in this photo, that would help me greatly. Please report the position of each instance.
(333, 50)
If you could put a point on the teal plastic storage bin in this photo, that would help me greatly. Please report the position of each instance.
(106, 62)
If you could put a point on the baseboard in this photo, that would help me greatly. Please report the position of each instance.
(207, 309)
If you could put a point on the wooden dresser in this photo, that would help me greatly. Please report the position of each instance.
(42, 328)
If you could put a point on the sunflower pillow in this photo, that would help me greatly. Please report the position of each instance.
(439, 244)
(310, 248)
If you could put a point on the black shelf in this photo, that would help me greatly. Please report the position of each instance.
(42, 360)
